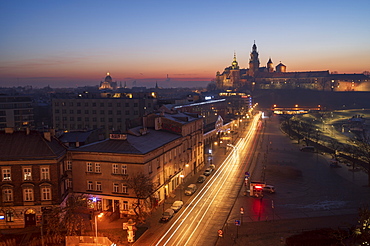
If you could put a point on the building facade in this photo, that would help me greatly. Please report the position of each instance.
(30, 164)
(109, 111)
(168, 147)
(16, 112)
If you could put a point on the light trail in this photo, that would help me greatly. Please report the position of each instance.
(229, 168)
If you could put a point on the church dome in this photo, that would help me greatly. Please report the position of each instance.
(108, 78)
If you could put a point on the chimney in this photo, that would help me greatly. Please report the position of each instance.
(9, 130)
(47, 136)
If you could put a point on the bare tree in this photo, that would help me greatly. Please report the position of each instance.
(335, 146)
(364, 153)
(143, 189)
(68, 220)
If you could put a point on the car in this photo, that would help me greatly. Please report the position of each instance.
(307, 149)
(177, 205)
(190, 189)
(213, 167)
(167, 215)
(208, 171)
(269, 188)
(201, 179)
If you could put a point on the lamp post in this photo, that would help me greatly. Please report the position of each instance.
(182, 185)
(96, 226)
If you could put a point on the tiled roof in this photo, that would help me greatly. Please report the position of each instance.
(20, 146)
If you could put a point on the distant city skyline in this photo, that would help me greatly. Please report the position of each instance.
(69, 43)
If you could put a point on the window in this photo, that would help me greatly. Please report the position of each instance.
(90, 185)
(124, 188)
(45, 173)
(7, 194)
(27, 175)
(125, 205)
(68, 184)
(45, 193)
(150, 167)
(86, 111)
(97, 168)
(98, 186)
(115, 168)
(69, 165)
(135, 105)
(9, 216)
(124, 169)
(6, 174)
(115, 188)
(89, 167)
(28, 194)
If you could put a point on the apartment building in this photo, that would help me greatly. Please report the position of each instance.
(168, 147)
(109, 111)
(30, 164)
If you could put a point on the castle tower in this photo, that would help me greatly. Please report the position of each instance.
(270, 66)
(234, 76)
(254, 62)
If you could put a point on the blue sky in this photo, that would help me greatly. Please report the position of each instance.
(75, 43)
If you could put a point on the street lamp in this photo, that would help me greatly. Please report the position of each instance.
(182, 185)
(96, 226)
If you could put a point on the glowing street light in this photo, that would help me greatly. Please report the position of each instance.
(96, 226)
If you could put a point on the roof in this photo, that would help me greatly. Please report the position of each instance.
(133, 145)
(20, 146)
(78, 136)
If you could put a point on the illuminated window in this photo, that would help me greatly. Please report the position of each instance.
(6, 174)
(69, 165)
(125, 205)
(9, 216)
(27, 175)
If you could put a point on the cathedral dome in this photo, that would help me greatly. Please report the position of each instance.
(108, 78)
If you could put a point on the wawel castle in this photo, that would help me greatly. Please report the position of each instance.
(270, 77)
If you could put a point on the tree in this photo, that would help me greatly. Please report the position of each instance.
(335, 146)
(364, 152)
(143, 189)
(211, 86)
(364, 224)
(68, 220)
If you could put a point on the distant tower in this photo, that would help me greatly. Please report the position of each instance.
(234, 64)
(281, 68)
(234, 76)
(254, 62)
(270, 66)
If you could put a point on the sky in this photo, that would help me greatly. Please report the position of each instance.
(74, 43)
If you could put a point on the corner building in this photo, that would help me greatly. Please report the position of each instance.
(168, 147)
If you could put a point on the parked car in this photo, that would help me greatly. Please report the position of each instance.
(208, 171)
(190, 189)
(177, 205)
(269, 188)
(307, 149)
(213, 167)
(167, 215)
(201, 179)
